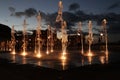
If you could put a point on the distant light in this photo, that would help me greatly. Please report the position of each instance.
(29, 39)
(47, 52)
(90, 54)
(78, 34)
(101, 34)
(63, 58)
(13, 53)
(24, 54)
(51, 50)
(38, 55)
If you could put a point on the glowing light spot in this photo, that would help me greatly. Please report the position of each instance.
(101, 34)
(13, 53)
(51, 50)
(47, 52)
(38, 55)
(63, 57)
(63, 63)
(24, 54)
(90, 54)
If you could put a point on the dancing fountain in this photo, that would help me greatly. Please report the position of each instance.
(64, 40)
(74, 55)
(38, 38)
(51, 41)
(24, 53)
(63, 33)
(80, 33)
(63, 30)
(13, 42)
(48, 38)
(106, 39)
(90, 40)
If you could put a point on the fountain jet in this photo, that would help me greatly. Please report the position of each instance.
(38, 38)
(106, 38)
(13, 40)
(48, 38)
(90, 38)
(63, 30)
(64, 39)
(24, 39)
(80, 33)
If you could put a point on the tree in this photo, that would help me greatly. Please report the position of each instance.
(74, 7)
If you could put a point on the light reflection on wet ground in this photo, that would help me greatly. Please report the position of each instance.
(74, 59)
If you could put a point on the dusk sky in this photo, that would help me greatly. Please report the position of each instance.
(51, 6)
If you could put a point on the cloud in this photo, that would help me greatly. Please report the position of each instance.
(27, 13)
(12, 10)
(113, 6)
(19, 14)
(30, 12)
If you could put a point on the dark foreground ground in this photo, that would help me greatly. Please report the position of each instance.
(12, 71)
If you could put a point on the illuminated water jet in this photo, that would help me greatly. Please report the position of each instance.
(51, 41)
(63, 57)
(38, 55)
(90, 59)
(38, 38)
(90, 37)
(63, 64)
(106, 38)
(24, 53)
(63, 29)
(64, 39)
(48, 37)
(24, 46)
(80, 34)
(13, 42)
